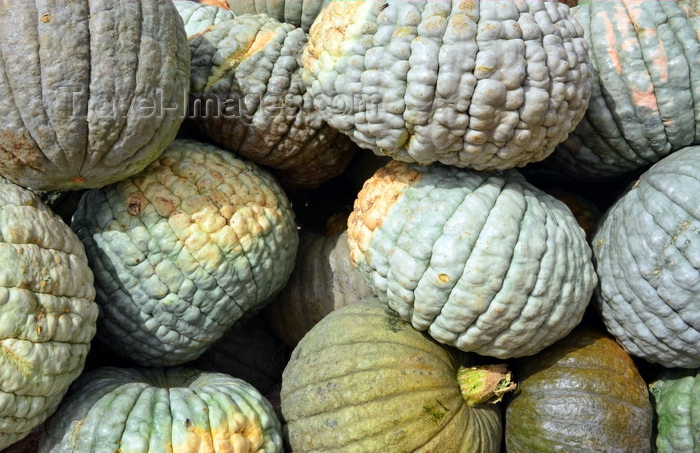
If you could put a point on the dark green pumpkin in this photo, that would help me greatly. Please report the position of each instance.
(582, 394)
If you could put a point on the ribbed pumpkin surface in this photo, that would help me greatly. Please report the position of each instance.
(200, 16)
(482, 261)
(676, 395)
(80, 107)
(582, 394)
(154, 410)
(364, 381)
(183, 250)
(647, 254)
(645, 101)
(247, 96)
(480, 84)
(300, 13)
(47, 311)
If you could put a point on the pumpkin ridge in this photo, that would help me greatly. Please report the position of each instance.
(555, 392)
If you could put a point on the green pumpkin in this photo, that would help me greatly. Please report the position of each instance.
(80, 108)
(364, 381)
(676, 397)
(155, 410)
(47, 311)
(183, 250)
(582, 394)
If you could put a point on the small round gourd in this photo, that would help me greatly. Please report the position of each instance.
(481, 261)
(580, 395)
(183, 250)
(90, 95)
(365, 381)
(154, 410)
(47, 311)
(647, 254)
(676, 396)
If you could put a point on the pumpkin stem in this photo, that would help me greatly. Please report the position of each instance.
(484, 384)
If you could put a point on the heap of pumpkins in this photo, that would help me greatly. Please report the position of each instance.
(363, 226)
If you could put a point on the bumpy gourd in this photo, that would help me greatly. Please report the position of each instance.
(248, 97)
(646, 92)
(482, 261)
(198, 17)
(676, 395)
(300, 13)
(183, 250)
(153, 410)
(480, 84)
(647, 254)
(89, 94)
(47, 311)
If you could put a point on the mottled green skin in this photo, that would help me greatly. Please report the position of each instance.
(300, 13)
(676, 397)
(364, 381)
(47, 311)
(153, 410)
(581, 395)
(183, 250)
(80, 108)
(198, 17)
(480, 84)
(482, 261)
(647, 253)
(645, 101)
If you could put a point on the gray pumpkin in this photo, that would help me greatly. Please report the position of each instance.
(199, 16)
(80, 108)
(183, 250)
(481, 261)
(647, 255)
(300, 13)
(47, 311)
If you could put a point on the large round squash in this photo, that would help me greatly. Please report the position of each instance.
(154, 410)
(480, 84)
(676, 396)
(47, 311)
(583, 394)
(183, 250)
(646, 91)
(364, 381)
(485, 262)
(647, 253)
(92, 91)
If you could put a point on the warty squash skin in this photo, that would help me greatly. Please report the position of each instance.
(156, 410)
(47, 311)
(364, 381)
(676, 396)
(80, 109)
(183, 250)
(198, 16)
(583, 394)
(488, 85)
(647, 257)
(481, 261)
(300, 13)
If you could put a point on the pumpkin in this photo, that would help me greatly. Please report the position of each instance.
(646, 90)
(178, 410)
(198, 16)
(484, 262)
(676, 396)
(183, 250)
(488, 85)
(247, 96)
(47, 311)
(582, 394)
(647, 260)
(323, 280)
(300, 13)
(364, 381)
(79, 110)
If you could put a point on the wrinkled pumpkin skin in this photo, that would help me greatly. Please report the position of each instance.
(300, 13)
(78, 110)
(647, 254)
(47, 311)
(676, 396)
(481, 261)
(487, 85)
(154, 410)
(364, 381)
(582, 394)
(198, 16)
(183, 250)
